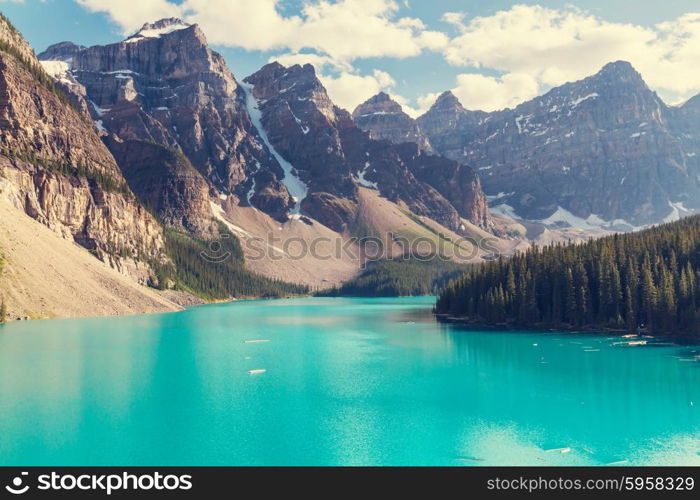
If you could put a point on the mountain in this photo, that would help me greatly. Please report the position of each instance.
(166, 182)
(75, 239)
(446, 116)
(384, 119)
(165, 85)
(276, 142)
(56, 169)
(605, 151)
(90, 217)
(649, 280)
(271, 160)
(330, 157)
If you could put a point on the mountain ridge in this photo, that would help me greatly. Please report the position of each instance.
(115, 85)
(604, 152)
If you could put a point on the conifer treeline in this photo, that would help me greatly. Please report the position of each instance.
(649, 279)
(402, 277)
(215, 275)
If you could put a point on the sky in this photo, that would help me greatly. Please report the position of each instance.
(491, 54)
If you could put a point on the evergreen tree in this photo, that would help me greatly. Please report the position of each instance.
(650, 278)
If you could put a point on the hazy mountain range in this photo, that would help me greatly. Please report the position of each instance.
(602, 152)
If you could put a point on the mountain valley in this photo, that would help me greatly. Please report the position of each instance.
(148, 153)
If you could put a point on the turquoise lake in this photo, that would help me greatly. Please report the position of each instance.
(347, 382)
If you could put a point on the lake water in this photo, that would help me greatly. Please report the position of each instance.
(348, 381)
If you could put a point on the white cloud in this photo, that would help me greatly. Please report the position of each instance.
(426, 101)
(130, 15)
(477, 91)
(347, 90)
(456, 19)
(327, 34)
(486, 93)
(524, 44)
(344, 30)
(319, 62)
(345, 86)
(407, 107)
(254, 25)
(553, 46)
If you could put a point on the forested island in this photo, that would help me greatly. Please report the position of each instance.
(648, 281)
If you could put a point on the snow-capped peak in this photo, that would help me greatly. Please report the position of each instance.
(158, 28)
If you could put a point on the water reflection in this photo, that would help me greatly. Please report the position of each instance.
(347, 381)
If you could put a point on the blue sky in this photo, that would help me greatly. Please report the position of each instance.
(491, 54)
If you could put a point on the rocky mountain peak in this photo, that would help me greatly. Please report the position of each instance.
(331, 154)
(275, 79)
(164, 85)
(384, 119)
(447, 101)
(60, 51)
(159, 28)
(692, 105)
(443, 119)
(382, 103)
(621, 71)
(604, 151)
(295, 84)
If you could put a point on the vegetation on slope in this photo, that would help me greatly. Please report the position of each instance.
(215, 269)
(33, 67)
(399, 278)
(64, 168)
(649, 280)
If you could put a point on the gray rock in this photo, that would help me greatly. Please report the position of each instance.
(605, 146)
(384, 119)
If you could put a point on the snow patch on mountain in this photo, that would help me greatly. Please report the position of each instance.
(505, 210)
(579, 100)
(563, 218)
(360, 178)
(296, 187)
(304, 129)
(678, 211)
(58, 69)
(157, 30)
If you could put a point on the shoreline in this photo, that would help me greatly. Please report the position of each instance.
(464, 321)
(192, 302)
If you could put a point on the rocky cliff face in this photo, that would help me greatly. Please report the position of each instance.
(275, 142)
(329, 156)
(384, 119)
(446, 117)
(165, 85)
(604, 151)
(684, 124)
(166, 182)
(55, 168)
